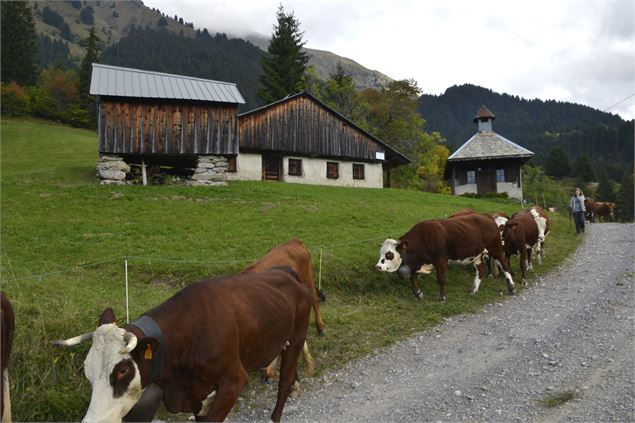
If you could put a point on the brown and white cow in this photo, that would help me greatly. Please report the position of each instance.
(605, 210)
(520, 236)
(589, 206)
(196, 349)
(7, 327)
(542, 220)
(433, 243)
(462, 212)
(295, 255)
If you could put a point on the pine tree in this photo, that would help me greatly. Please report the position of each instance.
(624, 201)
(558, 163)
(285, 63)
(18, 47)
(85, 72)
(583, 168)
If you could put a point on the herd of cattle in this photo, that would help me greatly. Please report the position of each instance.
(194, 351)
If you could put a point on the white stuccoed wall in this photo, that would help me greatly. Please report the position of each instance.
(249, 168)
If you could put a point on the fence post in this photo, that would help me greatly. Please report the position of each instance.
(127, 311)
(320, 271)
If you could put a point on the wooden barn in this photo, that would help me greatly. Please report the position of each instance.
(159, 119)
(299, 139)
(487, 162)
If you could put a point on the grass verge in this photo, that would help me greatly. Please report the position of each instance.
(56, 219)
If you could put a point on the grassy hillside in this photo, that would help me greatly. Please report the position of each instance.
(64, 238)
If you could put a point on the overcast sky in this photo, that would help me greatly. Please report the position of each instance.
(577, 51)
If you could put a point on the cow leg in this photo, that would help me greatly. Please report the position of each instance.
(478, 277)
(415, 287)
(227, 393)
(442, 267)
(6, 397)
(288, 376)
(319, 323)
(503, 263)
(525, 259)
(269, 372)
(146, 408)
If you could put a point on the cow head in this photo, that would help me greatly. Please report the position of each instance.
(111, 369)
(390, 256)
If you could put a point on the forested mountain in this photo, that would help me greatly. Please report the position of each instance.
(213, 57)
(535, 124)
(63, 25)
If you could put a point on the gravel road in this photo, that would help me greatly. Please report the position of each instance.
(570, 334)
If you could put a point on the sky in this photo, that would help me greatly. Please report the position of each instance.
(577, 51)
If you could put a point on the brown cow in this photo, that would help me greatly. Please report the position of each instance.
(605, 210)
(462, 212)
(589, 206)
(7, 327)
(432, 243)
(197, 348)
(520, 236)
(295, 255)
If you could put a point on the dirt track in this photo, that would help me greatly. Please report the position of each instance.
(572, 333)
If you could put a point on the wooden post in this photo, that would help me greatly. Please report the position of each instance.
(144, 177)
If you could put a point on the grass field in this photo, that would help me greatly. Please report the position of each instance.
(56, 219)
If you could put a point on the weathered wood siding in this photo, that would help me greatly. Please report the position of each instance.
(189, 128)
(301, 126)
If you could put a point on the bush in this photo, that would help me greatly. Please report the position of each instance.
(56, 98)
(537, 185)
(15, 100)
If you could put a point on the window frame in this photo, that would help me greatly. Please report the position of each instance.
(500, 175)
(469, 173)
(360, 168)
(329, 166)
(297, 167)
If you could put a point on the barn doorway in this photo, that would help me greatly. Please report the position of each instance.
(485, 181)
(271, 168)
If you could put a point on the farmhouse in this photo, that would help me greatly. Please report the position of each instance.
(487, 162)
(299, 139)
(158, 119)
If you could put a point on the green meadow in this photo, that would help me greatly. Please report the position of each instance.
(64, 239)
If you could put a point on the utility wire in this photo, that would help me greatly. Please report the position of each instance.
(619, 102)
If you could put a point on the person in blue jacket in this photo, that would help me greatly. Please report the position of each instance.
(577, 209)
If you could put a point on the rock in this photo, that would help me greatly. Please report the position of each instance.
(458, 393)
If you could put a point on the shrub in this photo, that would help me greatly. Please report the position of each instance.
(15, 100)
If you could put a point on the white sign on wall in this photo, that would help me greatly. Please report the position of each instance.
(380, 155)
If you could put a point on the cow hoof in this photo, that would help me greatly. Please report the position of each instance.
(442, 299)
(512, 291)
(419, 295)
(321, 332)
(523, 282)
(474, 291)
(490, 276)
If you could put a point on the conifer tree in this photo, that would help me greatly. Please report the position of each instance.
(18, 46)
(85, 72)
(625, 198)
(285, 63)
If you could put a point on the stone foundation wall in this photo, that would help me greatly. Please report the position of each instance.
(210, 171)
(111, 170)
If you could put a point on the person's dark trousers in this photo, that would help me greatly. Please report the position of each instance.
(578, 218)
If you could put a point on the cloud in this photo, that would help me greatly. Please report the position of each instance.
(569, 51)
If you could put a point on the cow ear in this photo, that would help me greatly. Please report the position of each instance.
(108, 316)
(402, 245)
(501, 227)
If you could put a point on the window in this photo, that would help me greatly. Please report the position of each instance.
(500, 175)
(358, 171)
(471, 176)
(332, 170)
(295, 167)
(231, 164)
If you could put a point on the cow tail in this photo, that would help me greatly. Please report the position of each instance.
(320, 295)
(309, 363)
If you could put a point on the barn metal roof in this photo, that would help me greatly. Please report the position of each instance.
(116, 81)
(488, 145)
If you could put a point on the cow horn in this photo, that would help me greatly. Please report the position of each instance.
(131, 342)
(70, 342)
